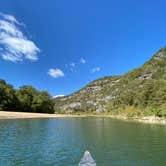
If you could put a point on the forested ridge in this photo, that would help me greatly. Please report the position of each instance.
(24, 99)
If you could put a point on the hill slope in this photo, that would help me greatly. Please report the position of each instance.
(142, 88)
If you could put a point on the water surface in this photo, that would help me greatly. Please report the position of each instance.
(62, 142)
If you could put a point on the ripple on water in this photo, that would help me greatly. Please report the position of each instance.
(62, 142)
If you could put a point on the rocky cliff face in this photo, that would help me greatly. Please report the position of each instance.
(93, 97)
(142, 87)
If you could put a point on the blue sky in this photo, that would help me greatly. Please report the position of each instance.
(61, 45)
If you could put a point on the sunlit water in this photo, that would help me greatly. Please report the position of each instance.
(62, 142)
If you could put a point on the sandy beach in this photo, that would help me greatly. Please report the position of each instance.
(22, 115)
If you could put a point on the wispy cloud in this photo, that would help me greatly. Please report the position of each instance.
(9, 18)
(82, 60)
(55, 73)
(72, 64)
(95, 69)
(76, 63)
(14, 45)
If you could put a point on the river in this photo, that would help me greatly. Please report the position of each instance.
(62, 142)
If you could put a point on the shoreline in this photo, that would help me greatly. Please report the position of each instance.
(27, 115)
(141, 119)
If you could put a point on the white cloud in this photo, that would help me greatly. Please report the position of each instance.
(55, 73)
(82, 60)
(96, 69)
(58, 96)
(72, 64)
(14, 45)
(9, 18)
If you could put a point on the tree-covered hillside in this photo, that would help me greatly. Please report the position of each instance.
(24, 99)
(139, 92)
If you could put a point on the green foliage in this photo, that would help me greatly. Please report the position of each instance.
(25, 99)
(8, 100)
(42, 103)
(26, 95)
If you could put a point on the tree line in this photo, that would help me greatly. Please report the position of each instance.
(24, 99)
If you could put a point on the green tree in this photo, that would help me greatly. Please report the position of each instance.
(43, 103)
(25, 96)
(8, 100)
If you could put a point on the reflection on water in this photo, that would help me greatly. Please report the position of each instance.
(62, 142)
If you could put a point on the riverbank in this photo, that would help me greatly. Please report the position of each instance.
(142, 119)
(24, 115)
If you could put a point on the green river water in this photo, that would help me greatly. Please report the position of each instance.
(62, 142)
